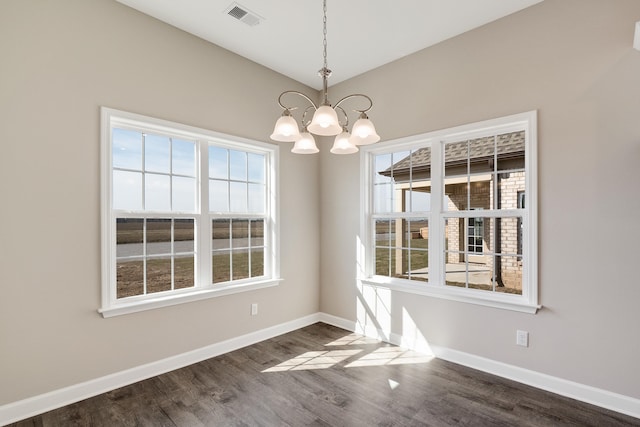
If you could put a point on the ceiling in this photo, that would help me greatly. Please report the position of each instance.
(361, 34)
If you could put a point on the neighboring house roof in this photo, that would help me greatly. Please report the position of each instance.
(509, 145)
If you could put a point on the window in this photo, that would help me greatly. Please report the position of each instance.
(444, 213)
(187, 213)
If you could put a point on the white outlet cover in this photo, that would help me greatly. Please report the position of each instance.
(522, 338)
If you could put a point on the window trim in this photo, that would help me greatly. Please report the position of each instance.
(528, 301)
(111, 306)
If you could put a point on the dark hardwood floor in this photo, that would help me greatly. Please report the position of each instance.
(325, 376)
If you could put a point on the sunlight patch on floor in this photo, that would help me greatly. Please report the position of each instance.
(390, 356)
(353, 339)
(313, 360)
(326, 359)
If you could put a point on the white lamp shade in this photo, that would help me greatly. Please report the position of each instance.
(286, 129)
(306, 144)
(341, 145)
(363, 132)
(325, 122)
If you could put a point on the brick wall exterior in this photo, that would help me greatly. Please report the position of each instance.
(481, 196)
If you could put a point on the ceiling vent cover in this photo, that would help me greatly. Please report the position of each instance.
(243, 14)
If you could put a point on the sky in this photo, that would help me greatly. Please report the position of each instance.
(163, 172)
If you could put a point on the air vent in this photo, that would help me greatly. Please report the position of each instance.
(243, 14)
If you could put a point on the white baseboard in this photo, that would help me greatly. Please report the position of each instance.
(29, 407)
(584, 393)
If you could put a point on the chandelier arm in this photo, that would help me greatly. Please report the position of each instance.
(355, 95)
(344, 113)
(297, 93)
(304, 115)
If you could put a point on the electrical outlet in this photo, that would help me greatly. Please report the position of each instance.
(254, 309)
(522, 338)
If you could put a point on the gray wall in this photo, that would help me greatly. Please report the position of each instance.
(573, 61)
(570, 59)
(60, 61)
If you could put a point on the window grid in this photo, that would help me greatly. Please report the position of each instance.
(162, 270)
(496, 162)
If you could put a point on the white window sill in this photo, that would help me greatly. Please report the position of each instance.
(121, 308)
(471, 296)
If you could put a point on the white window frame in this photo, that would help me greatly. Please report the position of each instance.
(203, 287)
(435, 287)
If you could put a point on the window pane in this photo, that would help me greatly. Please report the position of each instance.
(240, 264)
(401, 166)
(240, 233)
(382, 165)
(129, 237)
(419, 233)
(221, 234)
(385, 260)
(157, 193)
(456, 155)
(508, 235)
(218, 196)
(156, 153)
(402, 266)
(129, 278)
(256, 167)
(257, 233)
(238, 199)
(455, 272)
(218, 163)
(221, 266)
(183, 233)
(420, 198)
(511, 184)
(476, 272)
(456, 194)
(127, 149)
(256, 198)
(389, 238)
(481, 155)
(183, 194)
(476, 235)
(158, 236)
(127, 190)
(455, 238)
(158, 274)
(183, 157)
(419, 265)
(510, 151)
(184, 275)
(508, 274)
(385, 232)
(257, 262)
(480, 192)
(237, 165)
(383, 201)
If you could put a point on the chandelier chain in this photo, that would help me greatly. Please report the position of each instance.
(325, 121)
(324, 32)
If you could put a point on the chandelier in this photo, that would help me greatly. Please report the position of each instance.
(325, 121)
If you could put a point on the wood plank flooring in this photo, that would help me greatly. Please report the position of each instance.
(325, 376)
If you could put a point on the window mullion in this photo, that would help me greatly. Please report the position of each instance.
(436, 221)
(173, 253)
(203, 218)
(144, 256)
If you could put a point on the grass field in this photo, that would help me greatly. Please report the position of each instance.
(130, 276)
(415, 258)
